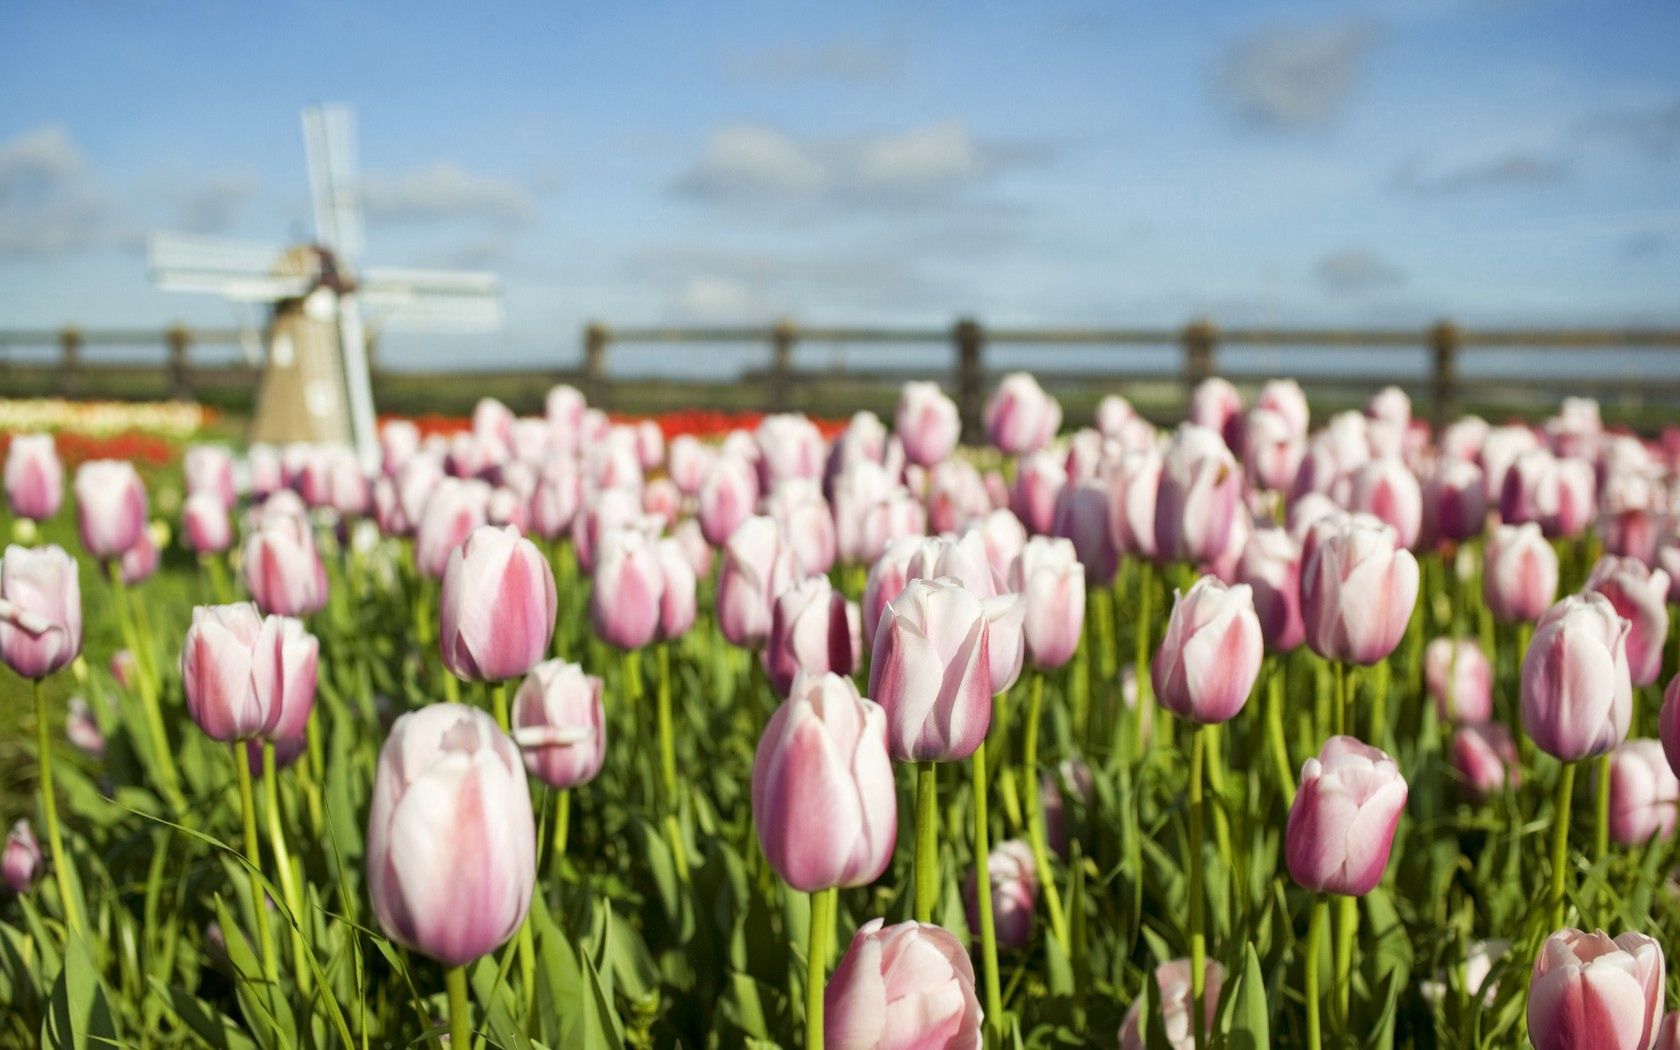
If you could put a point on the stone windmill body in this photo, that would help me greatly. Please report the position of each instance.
(316, 385)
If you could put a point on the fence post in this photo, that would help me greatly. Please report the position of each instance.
(1200, 338)
(596, 336)
(178, 339)
(1444, 342)
(782, 338)
(70, 361)
(969, 339)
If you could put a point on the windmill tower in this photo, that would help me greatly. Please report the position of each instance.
(316, 385)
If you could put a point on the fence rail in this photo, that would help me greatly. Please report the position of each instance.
(1196, 346)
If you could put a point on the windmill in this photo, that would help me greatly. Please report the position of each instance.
(316, 384)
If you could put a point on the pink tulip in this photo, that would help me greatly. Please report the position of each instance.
(758, 565)
(799, 509)
(238, 668)
(1485, 758)
(1289, 401)
(399, 500)
(1210, 657)
(822, 786)
(1588, 990)
(1021, 417)
(1087, 451)
(559, 724)
(40, 610)
(1390, 405)
(610, 510)
(1014, 889)
(1388, 491)
(1112, 415)
(1272, 451)
(895, 515)
(1082, 516)
(1271, 568)
(695, 549)
(1556, 493)
(727, 498)
(1459, 680)
(811, 630)
(927, 423)
(1133, 483)
(496, 610)
(399, 441)
(137, 564)
(1640, 595)
(677, 598)
(689, 461)
(110, 506)
(564, 407)
(1668, 723)
(1358, 589)
(282, 570)
(1577, 699)
(1519, 574)
(1644, 793)
(1334, 455)
(204, 524)
(865, 439)
(451, 843)
(1003, 536)
(1201, 488)
(1668, 1033)
(629, 584)
(82, 729)
(298, 655)
(21, 862)
(1048, 577)
(1216, 406)
(34, 477)
(1176, 1000)
(956, 496)
(789, 446)
(1039, 480)
(887, 579)
(1342, 823)
(902, 987)
(266, 475)
(209, 469)
(1454, 501)
(932, 672)
(854, 491)
(455, 508)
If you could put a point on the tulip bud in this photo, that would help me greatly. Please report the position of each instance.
(887, 579)
(238, 670)
(1133, 483)
(812, 627)
(956, 496)
(497, 606)
(932, 672)
(282, 570)
(1272, 451)
(822, 786)
(1082, 516)
(1390, 405)
(1048, 577)
(624, 601)
(1485, 758)
(695, 549)
(21, 862)
(1459, 680)
(1021, 417)
(1668, 723)
(1587, 990)
(1387, 490)
(1341, 825)
(110, 506)
(1271, 567)
(298, 656)
(1519, 574)
(1640, 596)
(1003, 536)
(689, 460)
(927, 423)
(1201, 487)
(609, 511)
(455, 508)
(1454, 501)
(209, 469)
(727, 498)
(555, 503)
(1177, 1003)
(205, 525)
(798, 507)
(34, 477)
(1668, 1033)
(559, 724)
(1289, 401)
(1577, 699)
(137, 564)
(789, 447)
(40, 610)
(757, 566)
(451, 843)
(82, 730)
(1014, 888)
(903, 986)
(1644, 793)
(1358, 589)
(1216, 406)
(1210, 657)
(896, 514)
(1039, 480)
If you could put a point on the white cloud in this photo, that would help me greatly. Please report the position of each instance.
(216, 205)
(1298, 75)
(1357, 270)
(714, 298)
(924, 159)
(445, 191)
(1512, 169)
(750, 159)
(48, 203)
(848, 60)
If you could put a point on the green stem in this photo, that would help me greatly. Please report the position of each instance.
(1006, 779)
(1560, 839)
(147, 684)
(49, 811)
(822, 910)
(499, 705)
(1145, 712)
(562, 826)
(1601, 830)
(668, 764)
(1198, 936)
(927, 839)
(253, 855)
(1035, 814)
(1343, 711)
(1315, 946)
(1274, 734)
(1347, 926)
(283, 862)
(460, 1027)
(983, 893)
(216, 566)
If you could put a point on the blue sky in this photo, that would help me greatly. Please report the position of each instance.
(1389, 163)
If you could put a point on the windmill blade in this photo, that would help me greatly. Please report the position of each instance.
(353, 344)
(433, 300)
(329, 137)
(243, 288)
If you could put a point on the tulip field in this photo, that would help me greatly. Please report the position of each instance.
(1256, 729)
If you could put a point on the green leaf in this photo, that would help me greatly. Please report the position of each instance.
(1250, 1020)
(78, 1014)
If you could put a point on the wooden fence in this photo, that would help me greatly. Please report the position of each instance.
(1195, 354)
